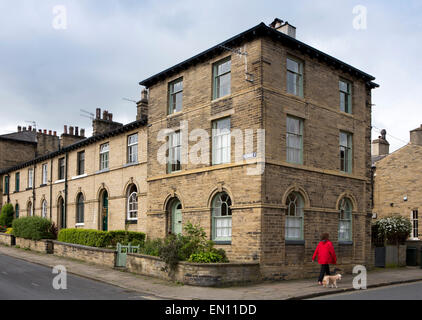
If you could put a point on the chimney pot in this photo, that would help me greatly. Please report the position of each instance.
(49, 132)
(76, 131)
(144, 95)
(65, 129)
(19, 128)
(45, 131)
(83, 133)
(98, 113)
(30, 128)
(105, 115)
(39, 131)
(71, 131)
(24, 129)
(55, 133)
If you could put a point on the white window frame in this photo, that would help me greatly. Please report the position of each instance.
(221, 141)
(30, 177)
(346, 218)
(104, 156)
(44, 173)
(175, 152)
(132, 200)
(220, 217)
(132, 148)
(298, 202)
(44, 209)
(294, 155)
(415, 224)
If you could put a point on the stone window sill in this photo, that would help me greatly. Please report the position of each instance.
(345, 243)
(130, 164)
(43, 185)
(295, 242)
(222, 243)
(131, 221)
(59, 181)
(103, 171)
(80, 176)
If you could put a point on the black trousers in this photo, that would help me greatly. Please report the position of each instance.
(325, 270)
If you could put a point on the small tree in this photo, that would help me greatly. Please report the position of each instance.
(6, 215)
(394, 229)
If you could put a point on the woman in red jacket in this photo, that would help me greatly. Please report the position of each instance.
(326, 256)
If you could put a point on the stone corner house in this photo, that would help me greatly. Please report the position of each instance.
(312, 176)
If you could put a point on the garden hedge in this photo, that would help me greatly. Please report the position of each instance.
(100, 239)
(6, 215)
(34, 228)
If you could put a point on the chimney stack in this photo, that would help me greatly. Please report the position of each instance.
(381, 147)
(283, 27)
(416, 136)
(142, 106)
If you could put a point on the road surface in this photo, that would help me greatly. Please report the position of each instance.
(411, 291)
(21, 280)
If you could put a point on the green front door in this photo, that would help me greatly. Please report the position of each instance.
(105, 211)
(176, 218)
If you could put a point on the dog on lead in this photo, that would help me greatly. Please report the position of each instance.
(331, 280)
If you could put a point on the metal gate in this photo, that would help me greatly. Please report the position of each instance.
(122, 252)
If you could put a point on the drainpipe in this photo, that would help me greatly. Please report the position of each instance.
(8, 188)
(33, 193)
(51, 190)
(64, 214)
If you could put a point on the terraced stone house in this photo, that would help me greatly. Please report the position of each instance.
(266, 144)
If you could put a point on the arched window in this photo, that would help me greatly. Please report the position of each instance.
(294, 217)
(44, 209)
(17, 211)
(80, 208)
(132, 203)
(29, 210)
(221, 217)
(345, 220)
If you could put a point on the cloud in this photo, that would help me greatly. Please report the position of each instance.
(48, 75)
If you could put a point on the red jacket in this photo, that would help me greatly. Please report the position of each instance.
(325, 253)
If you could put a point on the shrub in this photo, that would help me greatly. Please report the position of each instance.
(126, 237)
(193, 246)
(6, 215)
(34, 228)
(394, 229)
(206, 257)
(101, 239)
(9, 230)
(85, 237)
(151, 247)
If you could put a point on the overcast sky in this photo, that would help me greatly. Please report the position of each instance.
(47, 75)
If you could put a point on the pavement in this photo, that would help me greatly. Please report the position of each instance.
(154, 289)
